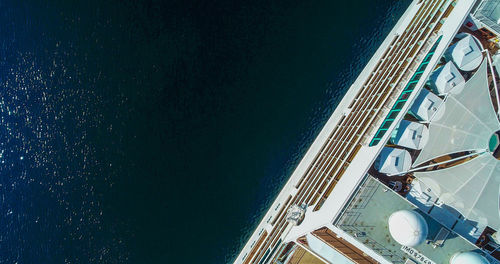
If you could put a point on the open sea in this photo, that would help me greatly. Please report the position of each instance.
(161, 131)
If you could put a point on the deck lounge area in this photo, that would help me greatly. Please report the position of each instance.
(366, 219)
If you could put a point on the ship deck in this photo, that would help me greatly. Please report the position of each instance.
(366, 217)
(301, 256)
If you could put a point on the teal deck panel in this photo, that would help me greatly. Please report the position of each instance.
(400, 103)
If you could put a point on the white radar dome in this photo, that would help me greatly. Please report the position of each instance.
(468, 258)
(408, 228)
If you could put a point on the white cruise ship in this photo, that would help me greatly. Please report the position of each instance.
(407, 168)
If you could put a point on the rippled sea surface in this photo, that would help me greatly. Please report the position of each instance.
(161, 131)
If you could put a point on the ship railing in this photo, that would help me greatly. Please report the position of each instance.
(407, 57)
(418, 58)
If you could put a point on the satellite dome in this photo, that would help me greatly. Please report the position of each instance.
(468, 258)
(408, 228)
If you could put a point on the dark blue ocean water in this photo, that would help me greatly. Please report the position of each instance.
(160, 131)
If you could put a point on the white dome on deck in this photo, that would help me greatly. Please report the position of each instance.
(409, 134)
(447, 78)
(427, 106)
(468, 258)
(393, 161)
(466, 53)
(408, 228)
